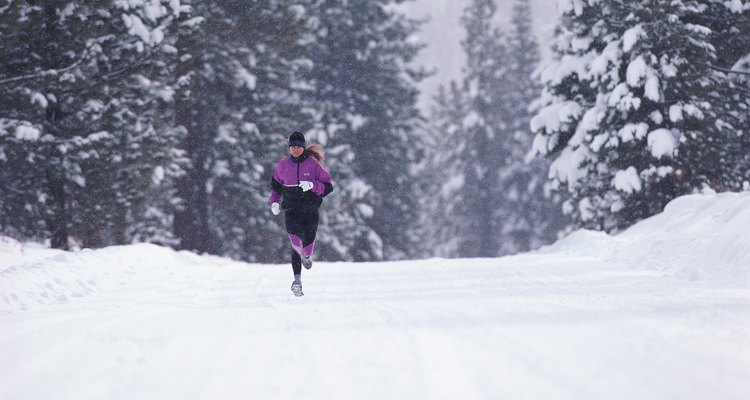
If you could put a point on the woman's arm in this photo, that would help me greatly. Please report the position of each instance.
(324, 184)
(277, 187)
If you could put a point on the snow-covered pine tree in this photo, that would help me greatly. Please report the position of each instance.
(529, 217)
(729, 23)
(80, 136)
(365, 112)
(442, 176)
(481, 137)
(237, 106)
(265, 104)
(344, 232)
(486, 152)
(631, 109)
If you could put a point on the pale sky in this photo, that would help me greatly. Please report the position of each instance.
(443, 35)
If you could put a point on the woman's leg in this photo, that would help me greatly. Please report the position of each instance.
(309, 231)
(295, 228)
(296, 264)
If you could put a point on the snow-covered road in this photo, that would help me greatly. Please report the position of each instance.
(144, 322)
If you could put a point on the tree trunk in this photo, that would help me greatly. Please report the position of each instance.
(191, 220)
(58, 224)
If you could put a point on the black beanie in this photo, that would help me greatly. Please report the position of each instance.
(297, 139)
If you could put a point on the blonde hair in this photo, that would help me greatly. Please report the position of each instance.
(316, 151)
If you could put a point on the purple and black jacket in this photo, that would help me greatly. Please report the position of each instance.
(289, 173)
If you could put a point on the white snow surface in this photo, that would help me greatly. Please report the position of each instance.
(660, 311)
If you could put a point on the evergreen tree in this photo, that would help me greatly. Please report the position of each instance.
(633, 110)
(264, 107)
(529, 216)
(486, 153)
(442, 176)
(729, 23)
(260, 71)
(236, 107)
(365, 106)
(81, 136)
(495, 201)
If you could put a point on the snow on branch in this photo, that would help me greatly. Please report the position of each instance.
(49, 72)
(729, 71)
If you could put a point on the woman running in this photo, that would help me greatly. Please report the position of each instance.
(298, 186)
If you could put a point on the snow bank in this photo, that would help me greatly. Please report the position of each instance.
(696, 237)
(31, 275)
(13, 252)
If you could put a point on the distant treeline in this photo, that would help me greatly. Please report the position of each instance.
(162, 120)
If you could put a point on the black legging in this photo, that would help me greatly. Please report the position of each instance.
(303, 224)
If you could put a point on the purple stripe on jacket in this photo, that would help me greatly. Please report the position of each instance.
(289, 173)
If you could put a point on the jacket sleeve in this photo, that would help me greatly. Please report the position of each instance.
(277, 187)
(324, 184)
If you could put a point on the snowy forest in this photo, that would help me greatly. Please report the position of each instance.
(161, 121)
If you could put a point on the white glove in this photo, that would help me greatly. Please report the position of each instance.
(275, 208)
(305, 185)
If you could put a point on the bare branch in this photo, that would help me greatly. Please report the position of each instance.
(729, 71)
(49, 72)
